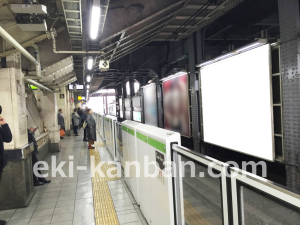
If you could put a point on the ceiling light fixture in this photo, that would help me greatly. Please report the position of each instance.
(258, 43)
(90, 63)
(95, 19)
(88, 78)
(178, 74)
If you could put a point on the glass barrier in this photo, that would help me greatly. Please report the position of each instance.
(202, 197)
(119, 142)
(259, 201)
(200, 193)
(257, 207)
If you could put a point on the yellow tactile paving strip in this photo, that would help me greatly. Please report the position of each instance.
(192, 216)
(105, 213)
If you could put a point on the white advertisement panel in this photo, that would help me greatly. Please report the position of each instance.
(150, 105)
(237, 103)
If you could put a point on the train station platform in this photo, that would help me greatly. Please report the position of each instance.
(79, 199)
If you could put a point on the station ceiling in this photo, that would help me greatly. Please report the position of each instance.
(128, 25)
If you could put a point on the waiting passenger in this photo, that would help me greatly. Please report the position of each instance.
(83, 118)
(91, 129)
(79, 112)
(76, 121)
(37, 181)
(5, 136)
(61, 121)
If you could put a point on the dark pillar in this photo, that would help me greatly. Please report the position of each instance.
(289, 49)
(194, 109)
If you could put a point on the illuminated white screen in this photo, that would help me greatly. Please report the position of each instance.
(236, 103)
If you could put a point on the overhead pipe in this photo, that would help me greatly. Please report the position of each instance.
(38, 85)
(30, 42)
(52, 32)
(14, 43)
(36, 51)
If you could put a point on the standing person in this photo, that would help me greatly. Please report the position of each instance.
(61, 120)
(91, 128)
(76, 121)
(79, 111)
(83, 118)
(5, 136)
(37, 181)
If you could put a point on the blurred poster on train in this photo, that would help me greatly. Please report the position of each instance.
(176, 104)
(150, 104)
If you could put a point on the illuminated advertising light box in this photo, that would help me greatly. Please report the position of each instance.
(137, 116)
(237, 103)
(150, 104)
(176, 104)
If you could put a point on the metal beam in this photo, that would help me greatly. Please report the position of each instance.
(137, 43)
(145, 20)
(220, 31)
(173, 15)
(139, 37)
(193, 6)
(132, 49)
(118, 44)
(188, 17)
(223, 8)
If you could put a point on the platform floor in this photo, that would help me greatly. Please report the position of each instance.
(75, 201)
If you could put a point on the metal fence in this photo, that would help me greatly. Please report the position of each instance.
(214, 193)
(220, 194)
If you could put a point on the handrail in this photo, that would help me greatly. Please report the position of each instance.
(235, 177)
(197, 156)
(42, 136)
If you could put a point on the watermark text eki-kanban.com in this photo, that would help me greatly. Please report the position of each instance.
(147, 168)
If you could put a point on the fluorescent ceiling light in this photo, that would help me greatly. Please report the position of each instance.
(106, 91)
(88, 78)
(90, 63)
(174, 75)
(95, 20)
(224, 56)
(206, 63)
(248, 47)
(88, 87)
(259, 43)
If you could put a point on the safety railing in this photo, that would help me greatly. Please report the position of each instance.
(119, 141)
(208, 191)
(219, 194)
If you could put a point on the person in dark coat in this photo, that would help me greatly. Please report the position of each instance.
(83, 118)
(37, 181)
(5, 136)
(76, 121)
(91, 129)
(79, 111)
(61, 120)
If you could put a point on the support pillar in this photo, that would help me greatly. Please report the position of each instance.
(289, 51)
(194, 109)
(16, 187)
(62, 103)
(48, 111)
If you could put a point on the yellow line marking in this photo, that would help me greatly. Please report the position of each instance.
(192, 216)
(105, 213)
